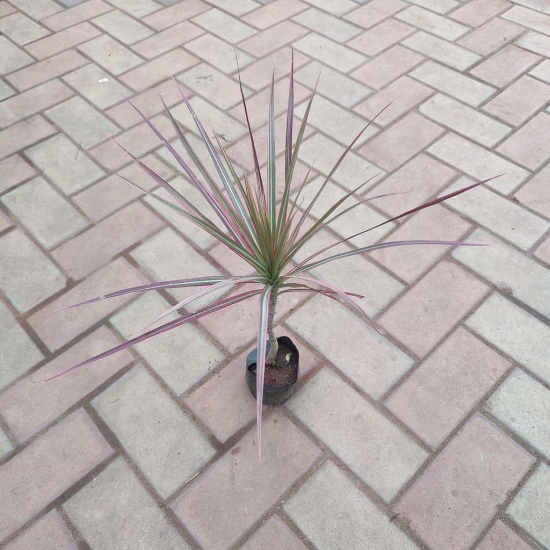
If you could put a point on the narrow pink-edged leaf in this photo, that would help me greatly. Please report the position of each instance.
(305, 267)
(206, 291)
(303, 287)
(421, 207)
(272, 194)
(259, 182)
(176, 283)
(263, 314)
(342, 295)
(216, 306)
(289, 124)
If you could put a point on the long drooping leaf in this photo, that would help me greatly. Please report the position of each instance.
(289, 123)
(176, 283)
(261, 346)
(164, 328)
(272, 193)
(300, 268)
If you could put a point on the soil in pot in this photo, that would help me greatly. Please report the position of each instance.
(278, 379)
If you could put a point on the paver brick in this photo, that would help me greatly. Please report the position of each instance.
(503, 217)
(274, 13)
(374, 12)
(5, 90)
(14, 170)
(452, 83)
(32, 102)
(110, 54)
(401, 141)
(115, 510)
(136, 8)
(508, 269)
(96, 246)
(45, 70)
(478, 163)
(387, 66)
(527, 145)
(433, 306)
(31, 404)
(441, 392)
(77, 14)
(535, 193)
(491, 36)
(19, 353)
(333, 513)
(543, 251)
(336, 7)
(434, 24)
(225, 26)
(441, 50)
(5, 445)
(382, 455)
(171, 15)
(501, 537)
(24, 134)
(504, 66)
(327, 25)
(48, 533)
(529, 18)
(381, 37)
(523, 405)
(531, 506)
(44, 212)
(122, 27)
(460, 491)
(27, 277)
(37, 9)
(286, 455)
(48, 467)
(137, 410)
(21, 29)
(63, 40)
(476, 12)
(236, 8)
(118, 274)
(11, 57)
(535, 42)
(60, 160)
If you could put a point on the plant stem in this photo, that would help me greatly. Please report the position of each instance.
(273, 344)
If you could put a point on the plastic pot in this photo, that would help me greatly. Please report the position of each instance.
(274, 394)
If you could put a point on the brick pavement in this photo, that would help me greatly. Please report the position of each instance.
(434, 436)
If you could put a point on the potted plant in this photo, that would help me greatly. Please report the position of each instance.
(264, 234)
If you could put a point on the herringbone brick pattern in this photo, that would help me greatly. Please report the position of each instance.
(435, 436)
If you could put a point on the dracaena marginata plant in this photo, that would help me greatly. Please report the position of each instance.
(244, 215)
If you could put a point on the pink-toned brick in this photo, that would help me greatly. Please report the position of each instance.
(78, 14)
(543, 251)
(400, 142)
(230, 482)
(501, 537)
(535, 194)
(5, 222)
(45, 70)
(441, 392)
(148, 102)
(23, 135)
(529, 146)
(409, 262)
(167, 17)
(430, 309)
(167, 40)
(159, 69)
(373, 12)
(5, 8)
(85, 253)
(386, 67)
(459, 492)
(31, 404)
(491, 36)
(63, 40)
(112, 193)
(273, 38)
(48, 533)
(274, 13)
(33, 101)
(519, 101)
(138, 141)
(381, 37)
(504, 66)
(13, 171)
(404, 94)
(58, 328)
(476, 12)
(47, 468)
(233, 264)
